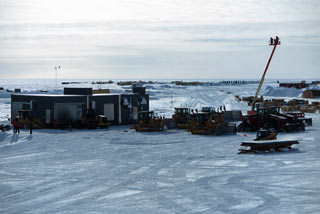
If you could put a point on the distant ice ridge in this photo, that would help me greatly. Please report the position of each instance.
(282, 92)
(5, 94)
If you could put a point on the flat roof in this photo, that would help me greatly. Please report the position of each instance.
(106, 94)
(71, 95)
(48, 95)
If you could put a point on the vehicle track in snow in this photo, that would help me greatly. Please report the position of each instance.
(259, 190)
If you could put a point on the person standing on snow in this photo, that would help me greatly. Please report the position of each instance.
(31, 126)
(18, 125)
(14, 124)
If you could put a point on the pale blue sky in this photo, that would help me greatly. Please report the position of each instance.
(119, 39)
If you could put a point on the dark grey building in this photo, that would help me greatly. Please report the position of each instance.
(75, 103)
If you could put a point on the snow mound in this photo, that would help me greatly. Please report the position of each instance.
(282, 92)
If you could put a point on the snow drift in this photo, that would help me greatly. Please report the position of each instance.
(282, 92)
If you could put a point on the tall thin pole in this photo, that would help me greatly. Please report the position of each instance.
(273, 42)
(57, 67)
(56, 76)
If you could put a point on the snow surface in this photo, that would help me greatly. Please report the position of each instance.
(122, 171)
(282, 92)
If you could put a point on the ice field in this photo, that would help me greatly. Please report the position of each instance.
(121, 171)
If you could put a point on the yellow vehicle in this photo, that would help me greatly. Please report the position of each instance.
(202, 124)
(206, 123)
(265, 134)
(181, 118)
(102, 121)
(91, 120)
(148, 123)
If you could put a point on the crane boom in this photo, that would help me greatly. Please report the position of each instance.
(273, 42)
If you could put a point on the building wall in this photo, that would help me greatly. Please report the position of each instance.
(131, 105)
(42, 104)
(100, 102)
(71, 107)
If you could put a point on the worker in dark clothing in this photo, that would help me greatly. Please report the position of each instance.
(31, 126)
(54, 123)
(18, 127)
(271, 41)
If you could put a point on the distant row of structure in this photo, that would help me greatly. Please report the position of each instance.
(302, 84)
(235, 82)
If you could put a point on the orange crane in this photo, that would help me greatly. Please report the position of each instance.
(275, 42)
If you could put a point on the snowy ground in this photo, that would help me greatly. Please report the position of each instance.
(121, 171)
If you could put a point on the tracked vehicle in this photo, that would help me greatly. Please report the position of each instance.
(181, 117)
(148, 123)
(265, 134)
(211, 123)
(270, 117)
(92, 120)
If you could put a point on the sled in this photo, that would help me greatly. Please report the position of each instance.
(266, 145)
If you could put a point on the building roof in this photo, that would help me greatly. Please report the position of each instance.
(69, 95)
(47, 95)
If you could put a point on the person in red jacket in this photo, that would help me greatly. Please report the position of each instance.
(14, 124)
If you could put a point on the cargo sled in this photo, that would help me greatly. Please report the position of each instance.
(266, 141)
(266, 145)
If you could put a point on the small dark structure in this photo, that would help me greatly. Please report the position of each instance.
(311, 93)
(137, 88)
(315, 82)
(300, 85)
(238, 82)
(72, 106)
(4, 128)
(77, 91)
